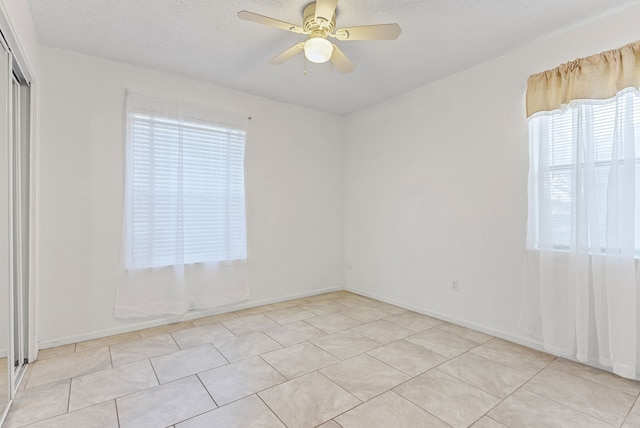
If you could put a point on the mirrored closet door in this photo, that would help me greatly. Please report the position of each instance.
(15, 108)
(19, 188)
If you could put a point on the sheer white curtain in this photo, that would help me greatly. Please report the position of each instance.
(581, 290)
(184, 235)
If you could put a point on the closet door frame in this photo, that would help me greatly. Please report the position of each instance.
(26, 77)
(19, 218)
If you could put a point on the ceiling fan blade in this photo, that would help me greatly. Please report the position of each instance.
(261, 19)
(341, 62)
(325, 9)
(369, 32)
(288, 54)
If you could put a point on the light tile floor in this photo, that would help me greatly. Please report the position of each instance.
(333, 360)
(4, 383)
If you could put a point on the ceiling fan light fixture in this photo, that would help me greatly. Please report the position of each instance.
(319, 22)
(318, 50)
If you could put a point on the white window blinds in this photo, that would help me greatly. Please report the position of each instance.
(585, 174)
(184, 184)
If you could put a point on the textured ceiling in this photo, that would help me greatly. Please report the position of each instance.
(204, 39)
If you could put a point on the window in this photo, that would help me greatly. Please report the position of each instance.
(583, 235)
(184, 184)
(579, 154)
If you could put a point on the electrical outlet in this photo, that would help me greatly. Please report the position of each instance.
(455, 286)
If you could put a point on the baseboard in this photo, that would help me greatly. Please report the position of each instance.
(170, 320)
(520, 340)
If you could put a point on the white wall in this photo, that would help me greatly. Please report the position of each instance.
(293, 185)
(436, 184)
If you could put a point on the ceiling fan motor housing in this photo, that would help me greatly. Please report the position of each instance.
(320, 27)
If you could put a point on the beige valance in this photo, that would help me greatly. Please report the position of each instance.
(599, 76)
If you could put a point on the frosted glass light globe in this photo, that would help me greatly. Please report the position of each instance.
(318, 50)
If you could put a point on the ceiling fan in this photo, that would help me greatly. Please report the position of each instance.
(319, 22)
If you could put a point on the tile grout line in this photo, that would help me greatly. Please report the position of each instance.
(454, 377)
(426, 371)
(276, 340)
(115, 401)
(275, 369)
(417, 405)
(501, 400)
(530, 376)
(568, 407)
(384, 362)
(154, 371)
(224, 357)
(269, 407)
(557, 360)
(385, 391)
(345, 390)
(565, 405)
(523, 385)
(110, 356)
(630, 410)
(208, 392)
(69, 399)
